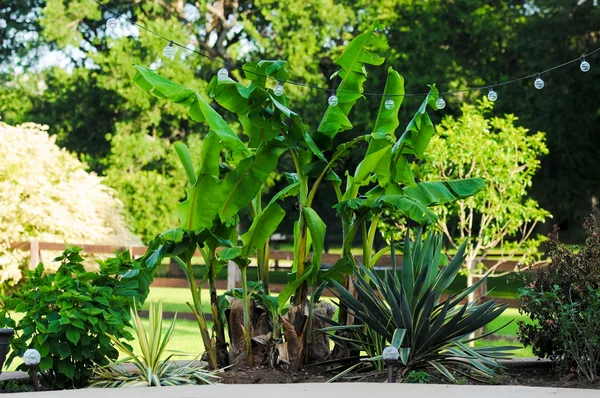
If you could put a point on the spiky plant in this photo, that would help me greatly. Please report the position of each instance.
(149, 369)
(410, 313)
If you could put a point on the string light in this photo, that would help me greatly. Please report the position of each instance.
(333, 100)
(585, 65)
(223, 73)
(440, 103)
(112, 22)
(169, 50)
(278, 90)
(389, 103)
(539, 83)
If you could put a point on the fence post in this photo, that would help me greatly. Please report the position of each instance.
(34, 259)
(233, 275)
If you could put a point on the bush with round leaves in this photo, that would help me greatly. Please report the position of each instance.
(66, 316)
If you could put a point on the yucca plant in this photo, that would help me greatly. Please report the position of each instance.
(149, 369)
(410, 313)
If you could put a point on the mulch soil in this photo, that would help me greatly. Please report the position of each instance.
(534, 376)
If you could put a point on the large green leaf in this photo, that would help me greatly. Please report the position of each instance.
(201, 205)
(199, 109)
(317, 229)
(352, 61)
(440, 192)
(257, 70)
(263, 226)
(243, 183)
(411, 208)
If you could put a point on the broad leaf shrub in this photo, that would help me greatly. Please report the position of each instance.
(408, 312)
(47, 194)
(66, 316)
(563, 301)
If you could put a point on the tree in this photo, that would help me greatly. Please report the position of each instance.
(502, 217)
(47, 194)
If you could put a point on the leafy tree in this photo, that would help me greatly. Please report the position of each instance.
(49, 196)
(503, 216)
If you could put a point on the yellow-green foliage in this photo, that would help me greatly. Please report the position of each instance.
(47, 194)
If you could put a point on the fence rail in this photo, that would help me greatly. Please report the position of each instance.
(174, 272)
(37, 248)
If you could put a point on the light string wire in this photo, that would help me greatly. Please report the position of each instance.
(333, 91)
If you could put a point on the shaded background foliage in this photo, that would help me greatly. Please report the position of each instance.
(94, 109)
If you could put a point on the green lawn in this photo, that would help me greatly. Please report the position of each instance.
(186, 337)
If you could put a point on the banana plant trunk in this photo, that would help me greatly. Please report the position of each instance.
(221, 343)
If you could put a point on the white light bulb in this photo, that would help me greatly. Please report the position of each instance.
(32, 357)
(278, 90)
(223, 73)
(492, 96)
(539, 83)
(585, 65)
(333, 100)
(169, 50)
(390, 353)
(389, 103)
(440, 103)
(112, 23)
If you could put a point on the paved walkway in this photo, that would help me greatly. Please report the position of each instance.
(336, 390)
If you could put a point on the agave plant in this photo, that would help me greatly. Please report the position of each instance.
(411, 313)
(149, 369)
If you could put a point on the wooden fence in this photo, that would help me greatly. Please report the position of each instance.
(37, 248)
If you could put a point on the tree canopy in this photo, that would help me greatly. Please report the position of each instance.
(63, 67)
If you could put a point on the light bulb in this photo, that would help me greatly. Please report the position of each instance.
(389, 103)
(539, 83)
(440, 103)
(492, 96)
(169, 50)
(112, 23)
(585, 65)
(390, 353)
(223, 73)
(333, 100)
(278, 90)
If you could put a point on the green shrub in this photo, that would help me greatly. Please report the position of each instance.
(410, 314)
(418, 377)
(149, 368)
(67, 315)
(563, 300)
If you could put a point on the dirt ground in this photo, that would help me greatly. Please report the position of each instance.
(534, 376)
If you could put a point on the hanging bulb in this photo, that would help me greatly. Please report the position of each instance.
(389, 104)
(169, 50)
(492, 96)
(539, 83)
(278, 90)
(585, 65)
(333, 100)
(223, 73)
(440, 103)
(112, 23)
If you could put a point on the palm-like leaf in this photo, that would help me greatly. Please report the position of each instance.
(150, 368)
(411, 314)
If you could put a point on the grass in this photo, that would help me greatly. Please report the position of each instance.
(186, 337)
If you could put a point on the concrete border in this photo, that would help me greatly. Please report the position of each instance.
(321, 390)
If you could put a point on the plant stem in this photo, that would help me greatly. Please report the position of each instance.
(222, 355)
(309, 325)
(301, 293)
(197, 310)
(247, 326)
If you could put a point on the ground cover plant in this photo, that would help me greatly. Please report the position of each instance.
(563, 301)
